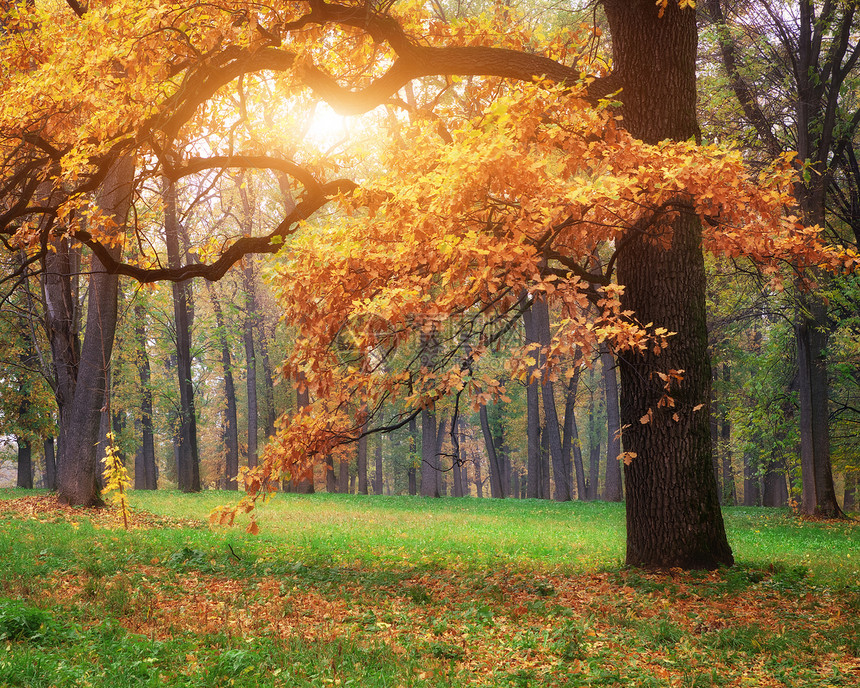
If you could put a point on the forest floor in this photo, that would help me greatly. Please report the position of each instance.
(390, 591)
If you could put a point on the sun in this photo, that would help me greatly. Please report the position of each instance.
(327, 128)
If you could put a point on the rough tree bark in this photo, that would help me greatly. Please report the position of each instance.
(80, 374)
(673, 513)
(25, 464)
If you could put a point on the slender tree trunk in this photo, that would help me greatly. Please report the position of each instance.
(231, 420)
(81, 382)
(479, 480)
(570, 443)
(560, 462)
(849, 499)
(411, 476)
(594, 451)
(534, 489)
(752, 491)
(774, 488)
(495, 468)
(594, 472)
(303, 481)
(729, 492)
(251, 374)
(673, 512)
(377, 477)
(50, 463)
(361, 464)
(330, 475)
(187, 454)
(612, 490)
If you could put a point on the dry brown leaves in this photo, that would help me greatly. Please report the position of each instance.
(48, 509)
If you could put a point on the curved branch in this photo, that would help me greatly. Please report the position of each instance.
(270, 243)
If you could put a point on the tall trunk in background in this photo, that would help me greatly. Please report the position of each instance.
(818, 59)
(571, 436)
(50, 463)
(303, 482)
(377, 477)
(268, 380)
(80, 381)
(534, 488)
(343, 476)
(752, 491)
(411, 476)
(441, 485)
(673, 512)
(479, 480)
(774, 488)
(594, 451)
(251, 365)
(495, 467)
(729, 491)
(429, 458)
(460, 461)
(560, 463)
(612, 490)
(818, 496)
(231, 420)
(145, 476)
(25, 464)
(187, 453)
(361, 464)
(330, 475)
(849, 499)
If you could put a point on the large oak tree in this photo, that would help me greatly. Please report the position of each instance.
(89, 90)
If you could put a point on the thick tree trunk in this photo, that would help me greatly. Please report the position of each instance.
(673, 512)
(818, 497)
(612, 488)
(25, 464)
(343, 476)
(429, 459)
(81, 382)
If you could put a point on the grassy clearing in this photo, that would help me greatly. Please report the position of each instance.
(376, 591)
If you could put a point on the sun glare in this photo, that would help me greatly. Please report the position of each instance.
(327, 127)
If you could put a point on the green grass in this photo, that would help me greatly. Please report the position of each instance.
(380, 591)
